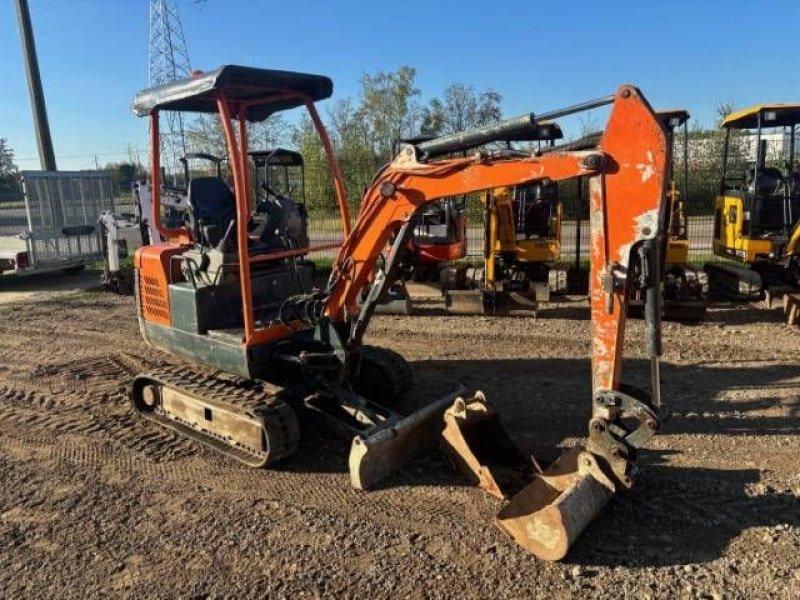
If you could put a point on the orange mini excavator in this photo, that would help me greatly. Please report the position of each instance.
(230, 295)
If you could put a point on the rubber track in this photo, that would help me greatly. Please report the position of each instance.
(263, 401)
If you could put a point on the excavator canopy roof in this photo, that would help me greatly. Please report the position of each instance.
(278, 157)
(673, 118)
(772, 115)
(269, 91)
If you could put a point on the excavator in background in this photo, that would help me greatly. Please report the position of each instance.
(757, 210)
(238, 305)
(522, 242)
(527, 239)
(685, 287)
(439, 237)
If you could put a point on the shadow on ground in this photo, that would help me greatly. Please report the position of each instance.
(15, 288)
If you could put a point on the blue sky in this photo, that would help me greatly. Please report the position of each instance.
(539, 55)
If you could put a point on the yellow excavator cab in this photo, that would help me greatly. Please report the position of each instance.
(757, 207)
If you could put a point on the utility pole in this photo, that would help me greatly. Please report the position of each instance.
(47, 157)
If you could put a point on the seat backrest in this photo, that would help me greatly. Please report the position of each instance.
(211, 203)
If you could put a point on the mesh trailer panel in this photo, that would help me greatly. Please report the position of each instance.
(62, 211)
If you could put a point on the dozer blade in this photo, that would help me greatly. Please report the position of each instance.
(549, 514)
(395, 302)
(375, 456)
(478, 445)
(465, 302)
(520, 304)
(684, 310)
(732, 282)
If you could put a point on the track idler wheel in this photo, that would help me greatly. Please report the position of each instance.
(383, 376)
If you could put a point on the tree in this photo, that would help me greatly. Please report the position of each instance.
(9, 176)
(389, 108)
(460, 108)
(432, 118)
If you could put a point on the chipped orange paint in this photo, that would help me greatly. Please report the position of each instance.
(626, 207)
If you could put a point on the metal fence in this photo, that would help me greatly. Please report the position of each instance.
(325, 229)
(53, 219)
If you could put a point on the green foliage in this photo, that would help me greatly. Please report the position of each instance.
(460, 108)
(389, 109)
(9, 176)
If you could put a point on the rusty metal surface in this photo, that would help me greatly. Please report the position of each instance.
(549, 514)
(213, 418)
(376, 455)
(478, 445)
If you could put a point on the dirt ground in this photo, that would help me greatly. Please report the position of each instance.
(95, 502)
(43, 285)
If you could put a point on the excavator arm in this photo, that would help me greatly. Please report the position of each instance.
(626, 180)
(546, 510)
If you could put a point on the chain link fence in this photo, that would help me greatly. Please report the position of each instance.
(326, 232)
(703, 182)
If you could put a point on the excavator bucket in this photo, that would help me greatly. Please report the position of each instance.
(382, 451)
(547, 510)
(477, 444)
(549, 514)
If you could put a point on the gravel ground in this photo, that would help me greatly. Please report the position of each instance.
(95, 502)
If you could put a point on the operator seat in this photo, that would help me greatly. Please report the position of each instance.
(769, 182)
(212, 209)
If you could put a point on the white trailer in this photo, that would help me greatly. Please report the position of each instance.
(54, 226)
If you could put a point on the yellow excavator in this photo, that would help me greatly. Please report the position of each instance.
(522, 244)
(757, 209)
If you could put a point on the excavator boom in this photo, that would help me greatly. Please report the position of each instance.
(627, 216)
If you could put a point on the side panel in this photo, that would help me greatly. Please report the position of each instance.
(728, 227)
(157, 270)
(214, 353)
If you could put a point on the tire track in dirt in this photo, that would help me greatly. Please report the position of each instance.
(436, 510)
(31, 410)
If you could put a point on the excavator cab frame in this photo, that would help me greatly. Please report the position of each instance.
(240, 94)
(286, 166)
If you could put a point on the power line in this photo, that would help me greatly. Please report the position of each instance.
(169, 61)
